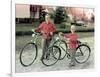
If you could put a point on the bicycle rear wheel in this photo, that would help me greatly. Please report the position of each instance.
(51, 58)
(28, 54)
(63, 47)
(82, 53)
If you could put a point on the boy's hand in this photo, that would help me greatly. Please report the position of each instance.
(68, 40)
(33, 30)
(60, 33)
(51, 33)
(42, 31)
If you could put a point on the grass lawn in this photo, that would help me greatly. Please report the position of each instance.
(28, 27)
(25, 27)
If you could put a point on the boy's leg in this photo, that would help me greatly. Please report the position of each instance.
(72, 54)
(47, 45)
(43, 48)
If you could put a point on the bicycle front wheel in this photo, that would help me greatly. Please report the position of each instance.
(82, 53)
(28, 54)
(51, 58)
(63, 47)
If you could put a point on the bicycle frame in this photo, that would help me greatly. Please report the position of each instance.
(34, 42)
(61, 38)
(67, 51)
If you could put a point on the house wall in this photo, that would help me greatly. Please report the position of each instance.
(22, 11)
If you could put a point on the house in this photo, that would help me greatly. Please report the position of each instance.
(25, 13)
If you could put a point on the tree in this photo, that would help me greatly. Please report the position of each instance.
(60, 15)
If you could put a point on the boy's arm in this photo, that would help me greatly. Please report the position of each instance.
(53, 29)
(39, 28)
(64, 35)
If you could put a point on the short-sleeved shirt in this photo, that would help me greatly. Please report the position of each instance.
(72, 40)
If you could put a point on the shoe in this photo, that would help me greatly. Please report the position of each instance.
(42, 58)
(47, 57)
(71, 64)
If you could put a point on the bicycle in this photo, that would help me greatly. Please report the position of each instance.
(29, 53)
(83, 50)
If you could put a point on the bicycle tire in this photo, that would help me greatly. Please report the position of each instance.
(81, 52)
(23, 53)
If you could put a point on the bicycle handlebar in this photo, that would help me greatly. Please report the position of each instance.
(37, 33)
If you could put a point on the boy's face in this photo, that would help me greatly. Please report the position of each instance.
(72, 29)
(47, 18)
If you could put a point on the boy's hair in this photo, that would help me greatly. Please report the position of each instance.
(73, 27)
